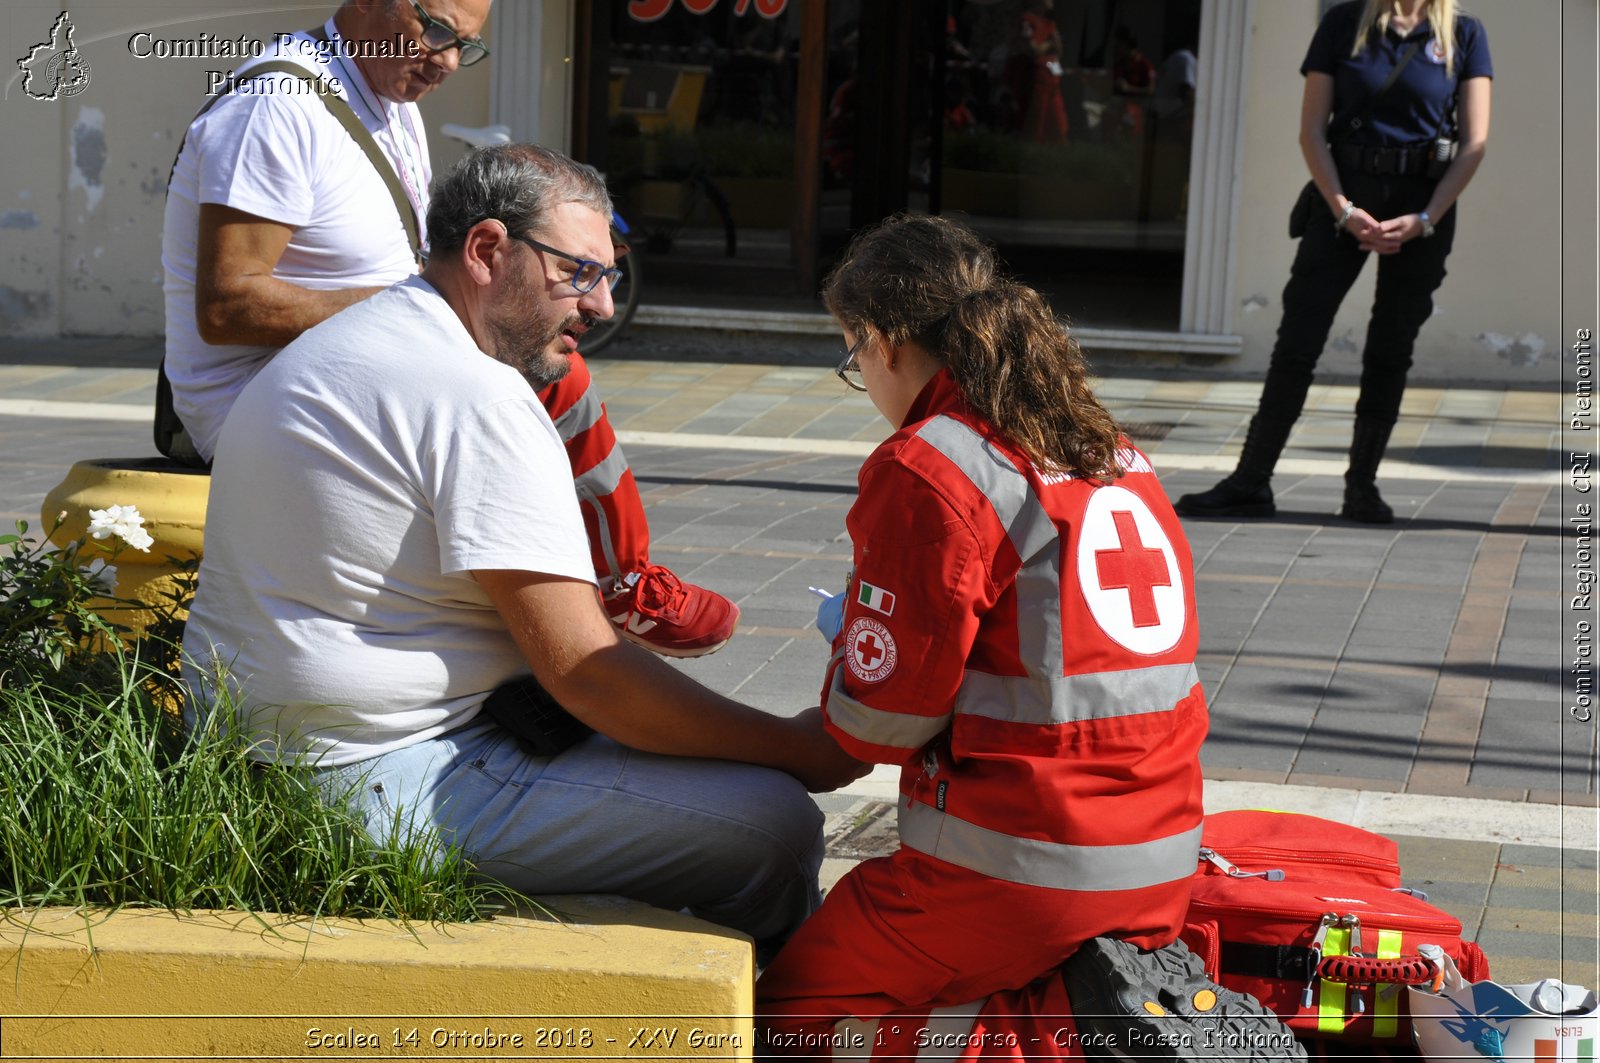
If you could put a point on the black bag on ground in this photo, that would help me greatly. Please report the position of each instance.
(527, 710)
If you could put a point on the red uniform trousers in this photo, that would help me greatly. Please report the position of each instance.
(907, 935)
(613, 512)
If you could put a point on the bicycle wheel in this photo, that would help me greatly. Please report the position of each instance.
(625, 296)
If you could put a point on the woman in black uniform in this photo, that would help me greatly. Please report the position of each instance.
(1389, 153)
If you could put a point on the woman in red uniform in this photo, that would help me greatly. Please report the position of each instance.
(1020, 636)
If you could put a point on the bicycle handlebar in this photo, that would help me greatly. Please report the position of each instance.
(477, 136)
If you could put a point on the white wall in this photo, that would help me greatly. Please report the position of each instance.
(1497, 315)
(85, 177)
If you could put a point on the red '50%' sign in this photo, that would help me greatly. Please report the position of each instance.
(650, 10)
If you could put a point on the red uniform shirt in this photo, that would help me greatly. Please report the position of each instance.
(1024, 645)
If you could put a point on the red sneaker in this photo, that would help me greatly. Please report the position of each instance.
(673, 618)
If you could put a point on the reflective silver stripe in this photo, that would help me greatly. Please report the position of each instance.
(603, 478)
(896, 729)
(1027, 525)
(949, 1029)
(1053, 865)
(1045, 696)
(583, 415)
(1076, 698)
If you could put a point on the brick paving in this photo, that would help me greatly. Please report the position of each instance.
(1422, 659)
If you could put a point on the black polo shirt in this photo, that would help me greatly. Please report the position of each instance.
(1417, 106)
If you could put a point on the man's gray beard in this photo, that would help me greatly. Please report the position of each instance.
(546, 369)
(532, 357)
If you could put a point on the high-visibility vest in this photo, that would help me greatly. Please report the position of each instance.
(1025, 646)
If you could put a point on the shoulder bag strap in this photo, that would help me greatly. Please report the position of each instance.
(340, 109)
(1350, 121)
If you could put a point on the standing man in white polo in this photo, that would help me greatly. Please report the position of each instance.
(277, 218)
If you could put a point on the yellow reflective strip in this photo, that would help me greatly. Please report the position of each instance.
(1330, 995)
(1386, 1009)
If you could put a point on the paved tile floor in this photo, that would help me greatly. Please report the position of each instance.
(1425, 659)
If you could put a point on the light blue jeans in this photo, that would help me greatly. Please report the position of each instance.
(734, 844)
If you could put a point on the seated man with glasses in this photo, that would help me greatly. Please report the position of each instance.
(277, 217)
(377, 570)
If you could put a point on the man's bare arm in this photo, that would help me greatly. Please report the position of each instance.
(236, 297)
(630, 695)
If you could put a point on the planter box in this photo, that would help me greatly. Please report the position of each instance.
(618, 979)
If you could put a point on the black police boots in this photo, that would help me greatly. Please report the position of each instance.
(1361, 499)
(1247, 491)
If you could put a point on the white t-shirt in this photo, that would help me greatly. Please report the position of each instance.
(361, 477)
(270, 148)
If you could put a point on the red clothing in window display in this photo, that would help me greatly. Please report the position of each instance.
(1045, 118)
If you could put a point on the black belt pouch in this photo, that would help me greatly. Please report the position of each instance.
(527, 710)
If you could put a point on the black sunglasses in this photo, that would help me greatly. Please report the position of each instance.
(437, 37)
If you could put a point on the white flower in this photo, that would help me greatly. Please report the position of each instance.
(123, 521)
(101, 577)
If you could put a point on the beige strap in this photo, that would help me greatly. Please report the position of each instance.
(340, 109)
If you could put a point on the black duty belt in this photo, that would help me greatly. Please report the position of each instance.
(1398, 162)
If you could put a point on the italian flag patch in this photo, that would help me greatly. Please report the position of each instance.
(875, 598)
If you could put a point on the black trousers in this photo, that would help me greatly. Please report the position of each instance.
(1325, 267)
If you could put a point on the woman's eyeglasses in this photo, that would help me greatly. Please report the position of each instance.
(849, 370)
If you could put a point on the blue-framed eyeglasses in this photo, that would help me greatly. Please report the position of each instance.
(849, 370)
(438, 37)
(589, 272)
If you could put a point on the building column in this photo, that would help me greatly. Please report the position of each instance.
(531, 70)
(1216, 157)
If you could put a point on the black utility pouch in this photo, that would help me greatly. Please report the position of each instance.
(527, 710)
(1300, 213)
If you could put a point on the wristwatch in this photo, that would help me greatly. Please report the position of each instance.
(1427, 223)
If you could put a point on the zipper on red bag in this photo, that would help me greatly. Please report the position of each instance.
(1257, 856)
(1390, 920)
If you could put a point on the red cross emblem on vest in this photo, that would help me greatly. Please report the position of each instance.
(869, 649)
(1135, 568)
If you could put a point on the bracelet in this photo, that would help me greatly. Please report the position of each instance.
(1427, 223)
(1349, 208)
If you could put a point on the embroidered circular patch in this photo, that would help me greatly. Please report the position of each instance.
(869, 650)
(1129, 574)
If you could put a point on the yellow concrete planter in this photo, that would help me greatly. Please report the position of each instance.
(171, 499)
(617, 980)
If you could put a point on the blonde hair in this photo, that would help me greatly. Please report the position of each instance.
(935, 283)
(1441, 15)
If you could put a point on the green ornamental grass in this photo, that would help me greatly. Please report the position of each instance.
(106, 800)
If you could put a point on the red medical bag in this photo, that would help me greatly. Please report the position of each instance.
(1309, 917)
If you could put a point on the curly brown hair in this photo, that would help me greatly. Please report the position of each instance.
(935, 283)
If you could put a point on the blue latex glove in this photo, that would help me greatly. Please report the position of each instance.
(830, 614)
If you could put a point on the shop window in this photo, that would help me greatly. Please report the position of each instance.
(697, 135)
